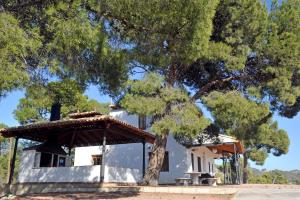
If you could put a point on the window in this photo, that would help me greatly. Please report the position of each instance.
(192, 160)
(212, 167)
(142, 122)
(208, 166)
(97, 159)
(42, 159)
(199, 165)
(62, 162)
(165, 165)
(46, 160)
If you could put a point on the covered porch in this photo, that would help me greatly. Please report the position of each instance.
(79, 130)
(203, 168)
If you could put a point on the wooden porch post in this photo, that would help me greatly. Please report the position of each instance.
(144, 158)
(12, 159)
(224, 168)
(236, 165)
(102, 168)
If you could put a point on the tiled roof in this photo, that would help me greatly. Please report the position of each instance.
(75, 124)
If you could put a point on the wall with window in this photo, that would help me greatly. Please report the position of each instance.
(44, 159)
(91, 173)
(178, 162)
(173, 167)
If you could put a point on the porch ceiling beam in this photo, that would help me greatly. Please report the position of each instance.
(72, 140)
(126, 134)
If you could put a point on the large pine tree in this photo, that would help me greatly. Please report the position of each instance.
(200, 46)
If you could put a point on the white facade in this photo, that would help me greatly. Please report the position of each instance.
(123, 161)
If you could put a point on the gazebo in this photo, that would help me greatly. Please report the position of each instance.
(224, 147)
(79, 129)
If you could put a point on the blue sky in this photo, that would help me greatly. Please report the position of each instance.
(289, 161)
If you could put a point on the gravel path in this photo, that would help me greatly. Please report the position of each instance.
(268, 194)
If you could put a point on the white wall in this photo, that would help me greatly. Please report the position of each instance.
(122, 155)
(124, 116)
(206, 157)
(28, 173)
(27, 160)
(130, 156)
(129, 118)
(178, 163)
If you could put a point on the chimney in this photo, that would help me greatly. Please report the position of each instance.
(55, 111)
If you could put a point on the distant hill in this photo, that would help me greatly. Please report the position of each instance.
(293, 176)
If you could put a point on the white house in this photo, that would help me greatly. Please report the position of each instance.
(124, 163)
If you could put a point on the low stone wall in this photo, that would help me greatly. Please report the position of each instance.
(89, 174)
(2, 190)
(39, 188)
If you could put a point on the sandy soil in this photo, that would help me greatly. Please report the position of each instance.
(124, 196)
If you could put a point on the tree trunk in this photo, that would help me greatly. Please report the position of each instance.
(156, 160)
(245, 169)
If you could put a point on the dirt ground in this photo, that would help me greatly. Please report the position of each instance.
(124, 196)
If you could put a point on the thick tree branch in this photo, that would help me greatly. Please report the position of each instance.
(123, 21)
(206, 88)
(27, 4)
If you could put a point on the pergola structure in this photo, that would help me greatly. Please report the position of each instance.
(80, 129)
(226, 147)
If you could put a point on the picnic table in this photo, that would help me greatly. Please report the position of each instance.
(194, 176)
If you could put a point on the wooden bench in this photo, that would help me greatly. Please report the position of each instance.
(211, 181)
(183, 181)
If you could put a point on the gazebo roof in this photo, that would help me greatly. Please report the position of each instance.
(225, 144)
(86, 131)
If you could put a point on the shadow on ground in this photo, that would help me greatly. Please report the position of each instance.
(125, 196)
(78, 196)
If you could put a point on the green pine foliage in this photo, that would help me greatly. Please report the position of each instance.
(164, 31)
(15, 46)
(65, 39)
(170, 107)
(4, 164)
(250, 122)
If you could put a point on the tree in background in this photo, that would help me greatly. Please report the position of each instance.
(16, 46)
(5, 149)
(59, 38)
(38, 101)
(249, 122)
(269, 177)
(4, 159)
